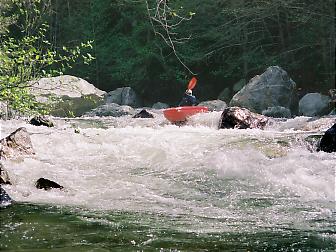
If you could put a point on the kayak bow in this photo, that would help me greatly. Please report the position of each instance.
(180, 114)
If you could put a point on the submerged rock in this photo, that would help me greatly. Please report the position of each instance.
(143, 114)
(47, 184)
(41, 121)
(328, 140)
(241, 118)
(17, 143)
(5, 199)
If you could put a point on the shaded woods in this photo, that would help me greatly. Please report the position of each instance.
(156, 46)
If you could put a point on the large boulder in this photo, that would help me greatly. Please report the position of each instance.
(214, 105)
(124, 96)
(328, 140)
(65, 85)
(314, 104)
(68, 96)
(111, 109)
(272, 88)
(75, 107)
(241, 118)
(16, 144)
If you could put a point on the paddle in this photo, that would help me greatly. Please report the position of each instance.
(192, 83)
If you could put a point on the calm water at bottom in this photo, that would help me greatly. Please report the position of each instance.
(28, 227)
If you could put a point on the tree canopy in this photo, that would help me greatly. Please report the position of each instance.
(157, 46)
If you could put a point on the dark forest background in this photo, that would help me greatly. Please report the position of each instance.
(156, 49)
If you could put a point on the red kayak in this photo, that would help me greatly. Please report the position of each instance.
(180, 114)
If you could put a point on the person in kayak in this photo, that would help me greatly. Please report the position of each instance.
(188, 99)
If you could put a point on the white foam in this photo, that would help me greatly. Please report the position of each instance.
(195, 169)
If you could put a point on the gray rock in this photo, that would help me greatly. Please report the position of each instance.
(65, 85)
(41, 121)
(160, 105)
(46, 184)
(5, 199)
(241, 118)
(277, 112)
(315, 104)
(214, 105)
(77, 106)
(16, 144)
(271, 89)
(68, 96)
(111, 109)
(124, 96)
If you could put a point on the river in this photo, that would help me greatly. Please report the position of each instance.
(146, 185)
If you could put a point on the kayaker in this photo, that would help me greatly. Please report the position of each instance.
(188, 99)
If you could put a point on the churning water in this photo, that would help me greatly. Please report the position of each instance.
(146, 185)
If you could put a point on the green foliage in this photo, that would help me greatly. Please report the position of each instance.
(27, 59)
(6, 18)
(223, 42)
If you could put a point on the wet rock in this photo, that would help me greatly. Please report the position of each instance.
(124, 96)
(214, 105)
(328, 140)
(314, 104)
(111, 109)
(143, 114)
(16, 144)
(241, 118)
(277, 112)
(41, 121)
(75, 106)
(4, 178)
(5, 199)
(47, 184)
(272, 88)
(160, 105)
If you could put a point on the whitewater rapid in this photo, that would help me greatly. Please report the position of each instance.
(268, 177)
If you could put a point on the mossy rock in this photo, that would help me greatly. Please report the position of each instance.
(75, 107)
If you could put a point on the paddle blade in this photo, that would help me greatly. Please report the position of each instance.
(192, 83)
